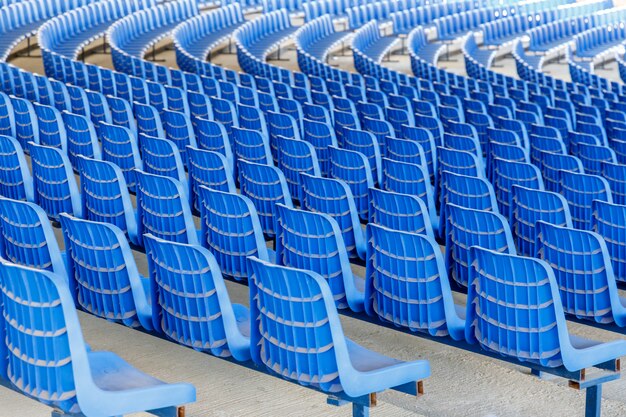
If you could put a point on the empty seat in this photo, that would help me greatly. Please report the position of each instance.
(514, 309)
(466, 228)
(609, 221)
(27, 238)
(334, 198)
(74, 378)
(51, 127)
(231, 230)
(583, 271)
(321, 136)
(177, 128)
(278, 295)
(16, 182)
(314, 242)
(54, 182)
(209, 169)
(296, 157)
(252, 146)
(81, 138)
(528, 206)
(615, 175)
(103, 276)
(552, 163)
(510, 173)
(397, 211)
(580, 190)
(456, 162)
(148, 121)
(105, 196)
(353, 168)
(265, 186)
(191, 301)
(366, 144)
(26, 122)
(163, 209)
(407, 283)
(212, 136)
(120, 147)
(161, 157)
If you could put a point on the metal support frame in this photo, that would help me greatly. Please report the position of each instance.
(447, 44)
(361, 405)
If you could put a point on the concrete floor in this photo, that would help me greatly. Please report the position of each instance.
(462, 384)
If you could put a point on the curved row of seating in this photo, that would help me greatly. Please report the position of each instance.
(368, 44)
(133, 35)
(381, 10)
(598, 40)
(335, 8)
(195, 38)
(257, 38)
(508, 29)
(23, 19)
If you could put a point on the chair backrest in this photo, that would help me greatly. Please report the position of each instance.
(509, 173)
(265, 186)
(252, 146)
(397, 211)
(406, 281)
(51, 127)
(456, 162)
(81, 137)
(163, 209)
(615, 175)
(281, 298)
(580, 190)
(27, 238)
(54, 183)
(296, 157)
(119, 146)
(16, 182)
(609, 221)
(103, 276)
(582, 268)
(105, 197)
(189, 298)
(313, 242)
(354, 169)
(334, 198)
(528, 206)
(513, 307)
(407, 178)
(161, 157)
(35, 303)
(209, 169)
(468, 227)
(231, 230)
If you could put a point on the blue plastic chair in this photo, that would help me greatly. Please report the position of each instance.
(528, 206)
(296, 157)
(161, 157)
(103, 276)
(209, 169)
(81, 137)
(608, 220)
(354, 169)
(265, 186)
(507, 293)
(406, 178)
(105, 197)
(510, 173)
(54, 183)
(120, 147)
(397, 211)
(321, 356)
(212, 136)
(26, 122)
(615, 176)
(231, 230)
(163, 210)
(252, 146)
(334, 198)
(468, 227)
(456, 162)
(15, 180)
(178, 129)
(75, 380)
(552, 163)
(27, 238)
(191, 303)
(365, 143)
(584, 272)
(148, 120)
(407, 283)
(314, 242)
(321, 136)
(51, 127)
(580, 190)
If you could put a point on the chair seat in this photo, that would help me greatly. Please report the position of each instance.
(112, 374)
